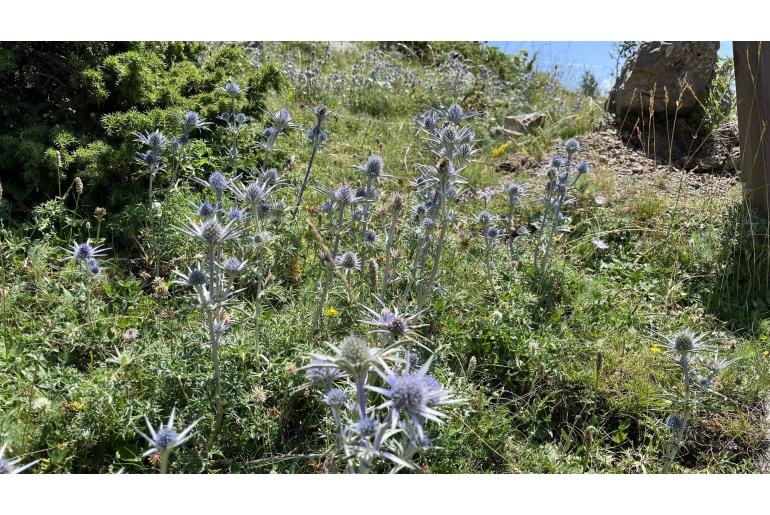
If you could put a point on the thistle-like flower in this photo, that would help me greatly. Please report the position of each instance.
(336, 398)
(348, 261)
(155, 140)
(373, 167)
(192, 121)
(233, 265)
(10, 466)
(205, 210)
(232, 88)
(218, 182)
(210, 231)
(571, 147)
(414, 394)
(370, 237)
(166, 437)
(283, 120)
(685, 342)
(390, 321)
(83, 252)
(322, 374)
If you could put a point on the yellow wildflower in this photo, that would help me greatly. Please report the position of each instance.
(331, 312)
(497, 152)
(766, 353)
(656, 349)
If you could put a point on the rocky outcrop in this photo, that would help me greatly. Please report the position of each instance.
(664, 76)
(655, 99)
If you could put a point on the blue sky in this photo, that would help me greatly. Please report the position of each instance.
(570, 58)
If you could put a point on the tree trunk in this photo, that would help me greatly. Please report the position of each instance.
(752, 82)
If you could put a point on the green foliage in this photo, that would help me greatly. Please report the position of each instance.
(85, 99)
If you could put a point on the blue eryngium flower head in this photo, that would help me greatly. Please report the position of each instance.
(392, 322)
(685, 342)
(205, 210)
(93, 266)
(348, 261)
(344, 195)
(370, 237)
(150, 158)
(427, 121)
(455, 114)
(583, 167)
(515, 191)
(492, 232)
(192, 121)
(414, 394)
(282, 120)
(484, 217)
(373, 167)
(270, 176)
(232, 265)
(367, 427)
(83, 252)
(218, 182)
(321, 113)
(155, 139)
(322, 374)
(235, 214)
(557, 162)
(10, 466)
(232, 88)
(316, 136)
(210, 231)
(166, 437)
(571, 146)
(196, 278)
(336, 398)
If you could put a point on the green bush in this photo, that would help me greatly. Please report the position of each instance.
(83, 100)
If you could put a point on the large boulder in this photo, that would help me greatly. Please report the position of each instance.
(662, 71)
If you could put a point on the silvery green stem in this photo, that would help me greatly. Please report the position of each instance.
(509, 228)
(676, 444)
(328, 276)
(164, 461)
(213, 340)
(305, 180)
(388, 244)
(258, 315)
(418, 252)
(361, 396)
(235, 140)
(439, 248)
(365, 225)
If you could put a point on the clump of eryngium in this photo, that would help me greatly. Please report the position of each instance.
(562, 174)
(437, 186)
(392, 427)
(698, 373)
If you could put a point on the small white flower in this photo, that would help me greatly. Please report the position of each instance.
(600, 244)
(41, 404)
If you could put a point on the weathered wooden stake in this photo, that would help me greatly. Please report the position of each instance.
(752, 84)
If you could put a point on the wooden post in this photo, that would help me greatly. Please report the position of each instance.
(752, 84)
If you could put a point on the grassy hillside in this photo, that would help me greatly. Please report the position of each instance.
(565, 371)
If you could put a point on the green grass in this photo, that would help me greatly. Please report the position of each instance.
(536, 401)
